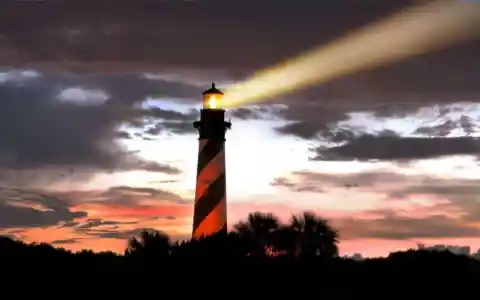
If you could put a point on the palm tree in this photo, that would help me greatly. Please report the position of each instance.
(314, 236)
(150, 244)
(286, 241)
(258, 231)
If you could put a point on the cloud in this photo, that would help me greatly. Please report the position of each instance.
(411, 206)
(18, 77)
(44, 138)
(122, 235)
(372, 147)
(115, 36)
(395, 227)
(395, 184)
(123, 135)
(302, 129)
(88, 213)
(127, 194)
(304, 186)
(445, 131)
(119, 207)
(64, 242)
(305, 181)
(152, 120)
(121, 199)
(92, 223)
(98, 219)
(172, 127)
(121, 212)
(256, 112)
(466, 123)
(115, 39)
(406, 220)
(83, 97)
(27, 208)
(101, 228)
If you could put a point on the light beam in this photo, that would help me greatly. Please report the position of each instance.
(412, 31)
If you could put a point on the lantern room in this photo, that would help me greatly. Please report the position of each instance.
(212, 98)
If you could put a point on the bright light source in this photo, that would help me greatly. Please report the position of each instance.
(212, 102)
(413, 31)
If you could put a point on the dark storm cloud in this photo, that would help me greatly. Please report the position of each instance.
(103, 37)
(310, 119)
(24, 208)
(39, 132)
(302, 129)
(443, 129)
(371, 147)
(386, 145)
(121, 33)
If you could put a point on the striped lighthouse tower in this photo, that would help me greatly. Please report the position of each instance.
(210, 212)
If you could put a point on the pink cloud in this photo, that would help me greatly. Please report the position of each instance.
(162, 209)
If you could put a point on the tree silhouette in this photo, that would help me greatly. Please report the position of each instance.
(259, 232)
(149, 244)
(313, 236)
(216, 246)
(307, 257)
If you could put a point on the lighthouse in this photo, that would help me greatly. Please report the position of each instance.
(210, 209)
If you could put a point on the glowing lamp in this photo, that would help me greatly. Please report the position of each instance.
(212, 98)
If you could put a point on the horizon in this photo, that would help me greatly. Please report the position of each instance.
(97, 139)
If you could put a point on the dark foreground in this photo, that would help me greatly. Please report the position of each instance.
(253, 261)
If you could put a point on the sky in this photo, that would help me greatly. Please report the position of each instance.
(97, 102)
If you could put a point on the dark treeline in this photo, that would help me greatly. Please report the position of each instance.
(260, 255)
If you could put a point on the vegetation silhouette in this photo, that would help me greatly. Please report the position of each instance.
(260, 254)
